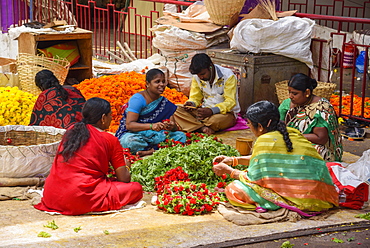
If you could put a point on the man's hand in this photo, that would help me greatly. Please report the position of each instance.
(188, 106)
(203, 113)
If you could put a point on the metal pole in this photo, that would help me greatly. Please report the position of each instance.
(31, 10)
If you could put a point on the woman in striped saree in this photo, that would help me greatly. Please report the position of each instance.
(284, 169)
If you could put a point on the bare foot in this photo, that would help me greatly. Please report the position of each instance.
(207, 130)
(145, 153)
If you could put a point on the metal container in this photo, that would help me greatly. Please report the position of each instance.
(257, 74)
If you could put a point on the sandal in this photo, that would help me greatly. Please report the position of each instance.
(354, 133)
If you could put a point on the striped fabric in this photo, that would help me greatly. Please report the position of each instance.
(298, 180)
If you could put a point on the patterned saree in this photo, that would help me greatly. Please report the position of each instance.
(319, 114)
(155, 111)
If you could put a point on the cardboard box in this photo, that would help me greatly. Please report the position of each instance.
(8, 65)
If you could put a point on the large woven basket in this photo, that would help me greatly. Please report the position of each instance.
(323, 90)
(224, 12)
(29, 65)
(28, 151)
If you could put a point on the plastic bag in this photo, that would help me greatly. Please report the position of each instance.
(361, 168)
(360, 62)
(288, 36)
(353, 193)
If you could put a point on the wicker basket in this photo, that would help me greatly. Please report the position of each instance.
(323, 90)
(28, 151)
(29, 65)
(224, 12)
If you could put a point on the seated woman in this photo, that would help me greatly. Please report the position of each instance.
(313, 116)
(148, 118)
(78, 181)
(285, 170)
(56, 106)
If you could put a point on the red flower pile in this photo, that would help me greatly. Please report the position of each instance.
(176, 174)
(176, 194)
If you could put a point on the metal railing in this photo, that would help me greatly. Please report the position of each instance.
(110, 25)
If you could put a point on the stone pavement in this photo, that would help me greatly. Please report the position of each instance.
(20, 224)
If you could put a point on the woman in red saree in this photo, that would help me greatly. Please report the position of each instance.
(56, 105)
(78, 181)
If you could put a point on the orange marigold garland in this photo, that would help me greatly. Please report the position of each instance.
(117, 89)
(346, 105)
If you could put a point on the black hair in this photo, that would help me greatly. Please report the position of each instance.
(267, 114)
(302, 82)
(77, 136)
(152, 73)
(46, 79)
(199, 62)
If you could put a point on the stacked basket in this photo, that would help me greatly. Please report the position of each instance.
(224, 12)
(323, 90)
(29, 65)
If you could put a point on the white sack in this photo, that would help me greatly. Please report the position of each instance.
(28, 161)
(177, 64)
(289, 36)
(172, 38)
(361, 168)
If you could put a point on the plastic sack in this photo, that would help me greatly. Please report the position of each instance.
(29, 160)
(360, 62)
(289, 36)
(353, 193)
(177, 64)
(172, 38)
(361, 167)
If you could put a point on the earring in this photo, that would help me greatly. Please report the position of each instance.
(307, 95)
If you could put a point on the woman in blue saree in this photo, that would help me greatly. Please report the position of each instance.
(147, 119)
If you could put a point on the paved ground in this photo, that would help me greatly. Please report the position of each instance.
(20, 225)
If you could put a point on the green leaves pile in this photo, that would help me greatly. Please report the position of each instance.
(195, 159)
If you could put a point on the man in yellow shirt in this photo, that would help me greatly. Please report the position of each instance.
(213, 101)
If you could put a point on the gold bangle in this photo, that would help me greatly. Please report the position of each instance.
(232, 173)
(128, 168)
(235, 161)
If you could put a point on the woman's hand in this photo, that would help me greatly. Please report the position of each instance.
(169, 125)
(123, 172)
(158, 126)
(221, 168)
(223, 159)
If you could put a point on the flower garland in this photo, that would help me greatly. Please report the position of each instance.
(346, 105)
(15, 106)
(177, 194)
(117, 89)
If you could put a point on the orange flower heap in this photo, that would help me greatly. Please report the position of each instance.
(346, 105)
(117, 90)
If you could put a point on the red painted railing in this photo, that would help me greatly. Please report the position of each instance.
(110, 25)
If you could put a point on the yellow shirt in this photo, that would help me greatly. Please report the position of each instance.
(222, 97)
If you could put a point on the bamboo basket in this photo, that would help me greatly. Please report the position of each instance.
(323, 90)
(28, 151)
(29, 65)
(224, 12)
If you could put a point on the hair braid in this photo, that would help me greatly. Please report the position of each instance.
(281, 127)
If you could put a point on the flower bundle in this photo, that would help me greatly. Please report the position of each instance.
(195, 159)
(187, 198)
(346, 105)
(175, 174)
(117, 89)
(15, 106)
